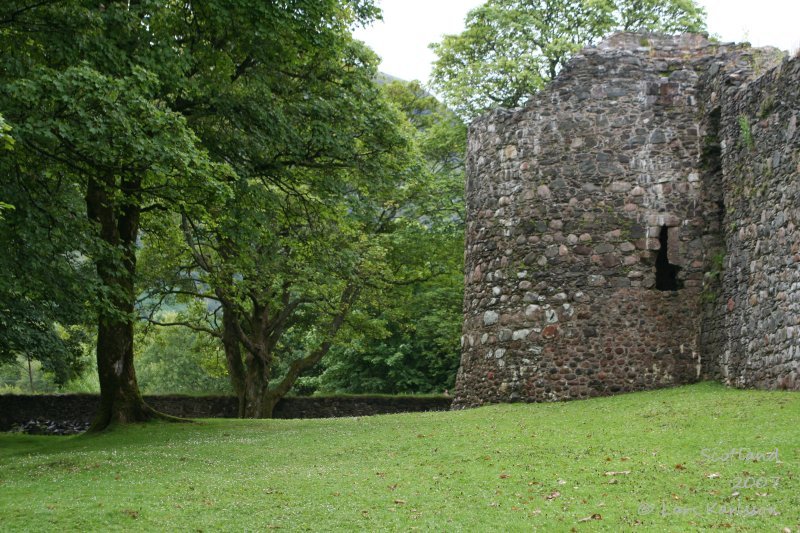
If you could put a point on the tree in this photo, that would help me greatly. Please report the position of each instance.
(321, 161)
(407, 339)
(147, 108)
(285, 289)
(128, 155)
(511, 48)
(313, 163)
(43, 311)
(88, 117)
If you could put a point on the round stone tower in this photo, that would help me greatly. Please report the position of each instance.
(592, 215)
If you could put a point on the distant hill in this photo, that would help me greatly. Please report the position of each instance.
(384, 78)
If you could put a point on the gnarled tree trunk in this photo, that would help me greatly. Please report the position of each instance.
(257, 400)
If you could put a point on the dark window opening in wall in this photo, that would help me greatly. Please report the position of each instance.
(666, 273)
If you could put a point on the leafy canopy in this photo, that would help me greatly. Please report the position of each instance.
(511, 48)
(404, 336)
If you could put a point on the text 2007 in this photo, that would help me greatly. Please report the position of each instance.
(752, 482)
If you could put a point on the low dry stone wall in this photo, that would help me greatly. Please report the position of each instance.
(80, 408)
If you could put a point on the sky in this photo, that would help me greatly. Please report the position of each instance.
(408, 26)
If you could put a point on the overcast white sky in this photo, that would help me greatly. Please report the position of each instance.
(408, 26)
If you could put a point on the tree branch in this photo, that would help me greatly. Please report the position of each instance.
(298, 366)
(189, 325)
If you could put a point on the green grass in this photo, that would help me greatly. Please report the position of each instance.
(497, 468)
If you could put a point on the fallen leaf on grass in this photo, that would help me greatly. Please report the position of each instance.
(130, 512)
(595, 516)
(505, 476)
(712, 475)
(400, 502)
(620, 473)
(553, 495)
(679, 466)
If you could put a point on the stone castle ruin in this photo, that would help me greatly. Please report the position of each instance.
(635, 226)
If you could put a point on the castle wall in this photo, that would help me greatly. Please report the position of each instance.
(757, 323)
(593, 214)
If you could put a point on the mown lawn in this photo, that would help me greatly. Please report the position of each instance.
(656, 461)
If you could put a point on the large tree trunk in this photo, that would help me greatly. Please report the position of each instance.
(256, 386)
(120, 400)
(233, 356)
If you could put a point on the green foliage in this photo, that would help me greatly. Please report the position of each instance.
(416, 348)
(39, 323)
(512, 48)
(44, 311)
(718, 263)
(713, 277)
(25, 376)
(56, 365)
(90, 92)
(322, 167)
(180, 361)
(258, 174)
(405, 337)
(523, 467)
(150, 111)
(6, 140)
(745, 132)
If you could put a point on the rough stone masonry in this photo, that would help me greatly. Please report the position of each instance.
(635, 226)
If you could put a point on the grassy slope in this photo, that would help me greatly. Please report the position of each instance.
(484, 469)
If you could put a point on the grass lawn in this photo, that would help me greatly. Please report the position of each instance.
(655, 461)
